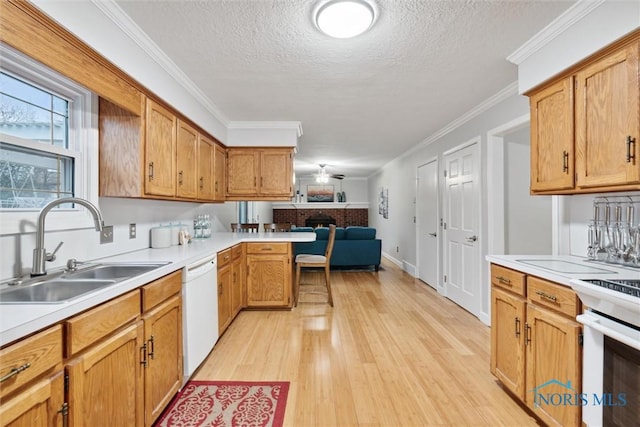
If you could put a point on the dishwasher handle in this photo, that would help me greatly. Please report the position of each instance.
(199, 268)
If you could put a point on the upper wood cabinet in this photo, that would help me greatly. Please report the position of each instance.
(259, 173)
(159, 156)
(160, 150)
(585, 125)
(188, 144)
(607, 120)
(552, 152)
(219, 173)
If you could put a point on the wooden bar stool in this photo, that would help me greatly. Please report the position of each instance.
(279, 226)
(245, 228)
(316, 261)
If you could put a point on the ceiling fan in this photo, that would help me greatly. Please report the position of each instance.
(323, 176)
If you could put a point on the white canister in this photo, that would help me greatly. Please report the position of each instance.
(175, 233)
(160, 237)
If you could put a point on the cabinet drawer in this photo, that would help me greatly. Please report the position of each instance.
(97, 323)
(30, 358)
(159, 290)
(236, 251)
(552, 295)
(509, 279)
(224, 257)
(267, 248)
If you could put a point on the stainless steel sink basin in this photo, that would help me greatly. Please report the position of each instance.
(61, 287)
(51, 291)
(112, 271)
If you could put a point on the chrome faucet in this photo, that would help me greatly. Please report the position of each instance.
(40, 255)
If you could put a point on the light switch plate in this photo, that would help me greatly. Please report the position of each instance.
(132, 231)
(106, 235)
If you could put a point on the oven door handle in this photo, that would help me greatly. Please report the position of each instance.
(594, 323)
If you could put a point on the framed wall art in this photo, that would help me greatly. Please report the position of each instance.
(320, 193)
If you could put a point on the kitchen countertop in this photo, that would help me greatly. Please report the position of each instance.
(19, 320)
(563, 268)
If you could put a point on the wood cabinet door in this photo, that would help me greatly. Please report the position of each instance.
(186, 161)
(238, 283)
(607, 115)
(160, 150)
(508, 339)
(105, 381)
(268, 280)
(206, 169)
(224, 296)
(220, 173)
(554, 366)
(163, 371)
(242, 172)
(552, 137)
(276, 177)
(39, 405)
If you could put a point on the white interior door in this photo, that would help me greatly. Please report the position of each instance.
(427, 223)
(462, 222)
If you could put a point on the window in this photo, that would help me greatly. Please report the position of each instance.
(48, 143)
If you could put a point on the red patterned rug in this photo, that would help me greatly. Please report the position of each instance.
(227, 404)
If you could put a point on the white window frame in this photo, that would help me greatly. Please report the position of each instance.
(83, 145)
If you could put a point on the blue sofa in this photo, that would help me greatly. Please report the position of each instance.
(353, 247)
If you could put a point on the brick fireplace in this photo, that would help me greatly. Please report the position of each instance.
(342, 217)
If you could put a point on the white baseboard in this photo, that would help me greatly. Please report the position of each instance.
(405, 266)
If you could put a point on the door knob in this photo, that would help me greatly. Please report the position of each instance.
(472, 238)
(433, 234)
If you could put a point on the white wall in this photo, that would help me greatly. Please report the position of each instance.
(527, 228)
(84, 244)
(354, 188)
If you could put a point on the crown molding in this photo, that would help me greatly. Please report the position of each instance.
(297, 126)
(123, 21)
(558, 26)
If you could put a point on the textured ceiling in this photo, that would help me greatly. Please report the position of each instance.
(362, 101)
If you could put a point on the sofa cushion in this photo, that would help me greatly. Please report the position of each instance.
(360, 233)
(322, 233)
(302, 229)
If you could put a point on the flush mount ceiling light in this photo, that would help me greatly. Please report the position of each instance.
(344, 18)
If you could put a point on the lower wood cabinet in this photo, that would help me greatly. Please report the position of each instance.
(238, 279)
(225, 280)
(105, 381)
(162, 366)
(40, 405)
(117, 364)
(269, 275)
(536, 343)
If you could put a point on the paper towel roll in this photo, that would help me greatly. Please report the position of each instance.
(160, 237)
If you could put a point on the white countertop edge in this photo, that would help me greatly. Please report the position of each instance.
(20, 320)
(564, 278)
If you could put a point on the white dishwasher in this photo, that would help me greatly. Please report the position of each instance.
(199, 312)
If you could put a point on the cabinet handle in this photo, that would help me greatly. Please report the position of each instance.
(517, 327)
(143, 350)
(565, 161)
(64, 410)
(180, 178)
(201, 182)
(216, 187)
(266, 249)
(547, 296)
(15, 371)
(503, 280)
(151, 347)
(150, 171)
(631, 155)
(527, 330)
(220, 289)
(255, 182)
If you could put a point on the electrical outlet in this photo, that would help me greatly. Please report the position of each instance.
(106, 235)
(132, 231)
(397, 248)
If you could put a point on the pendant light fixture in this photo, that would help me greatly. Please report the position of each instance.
(344, 18)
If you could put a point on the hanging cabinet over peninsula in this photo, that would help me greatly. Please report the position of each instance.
(585, 125)
(259, 173)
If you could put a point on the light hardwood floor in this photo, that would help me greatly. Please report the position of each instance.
(391, 352)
